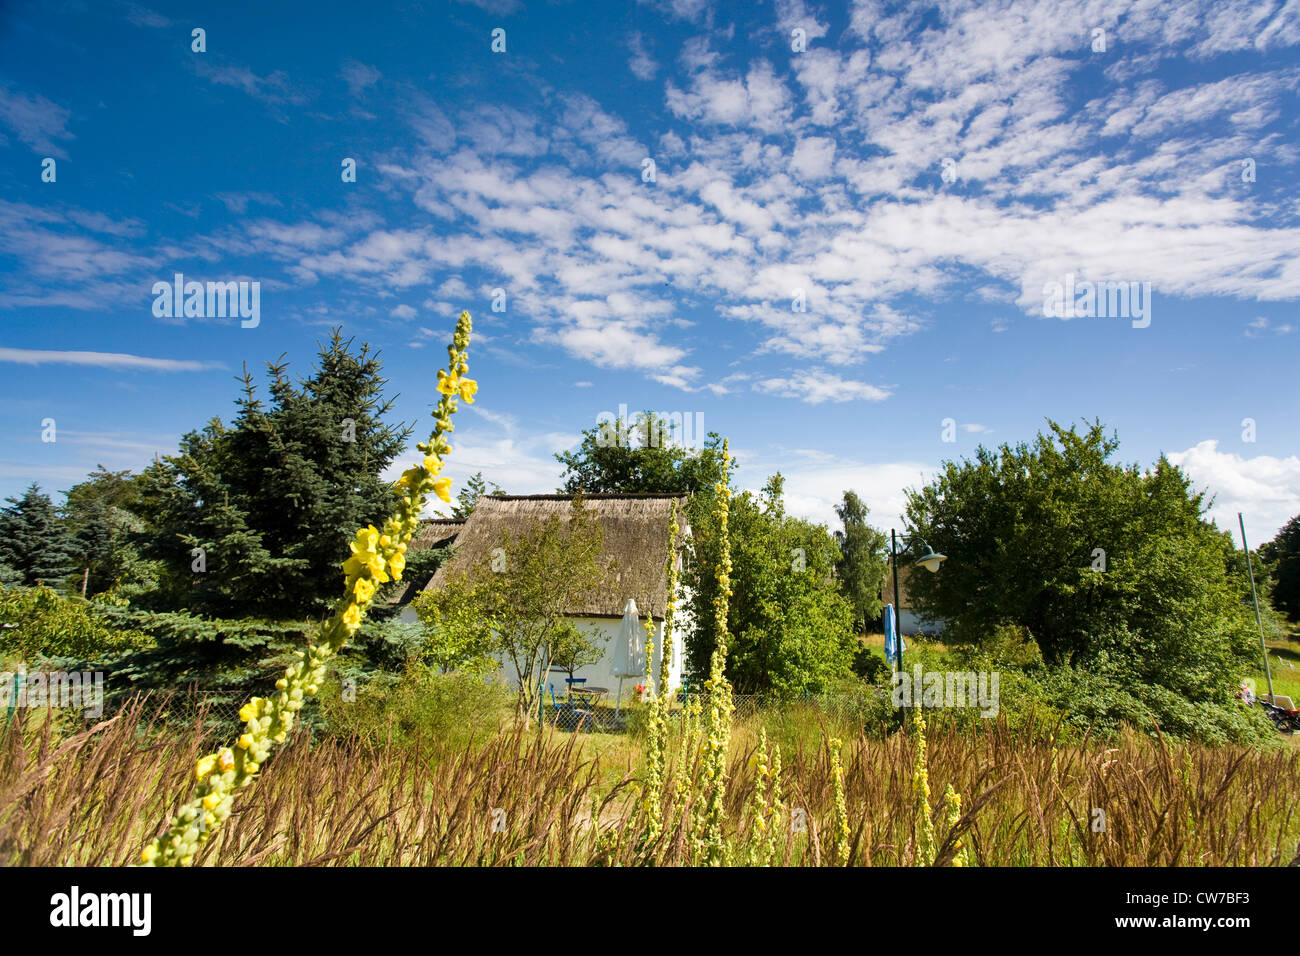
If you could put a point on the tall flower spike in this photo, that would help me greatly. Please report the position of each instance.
(268, 721)
(708, 832)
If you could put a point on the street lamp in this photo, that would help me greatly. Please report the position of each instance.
(930, 561)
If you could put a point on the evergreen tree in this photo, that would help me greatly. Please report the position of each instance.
(254, 518)
(34, 542)
(473, 489)
(100, 514)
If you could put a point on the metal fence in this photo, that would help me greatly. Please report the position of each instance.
(216, 713)
(862, 707)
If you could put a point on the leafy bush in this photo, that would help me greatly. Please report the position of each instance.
(418, 705)
(1091, 700)
(791, 628)
(1109, 567)
(41, 623)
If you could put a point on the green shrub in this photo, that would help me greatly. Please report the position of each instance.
(419, 705)
(40, 623)
(1090, 700)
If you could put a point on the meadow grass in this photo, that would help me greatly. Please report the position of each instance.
(514, 797)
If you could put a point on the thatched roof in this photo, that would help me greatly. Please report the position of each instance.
(905, 571)
(634, 545)
(436, 533)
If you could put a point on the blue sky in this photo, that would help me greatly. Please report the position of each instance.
(778, 172)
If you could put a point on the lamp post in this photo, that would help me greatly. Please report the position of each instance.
(1268, 674)
(930, 561)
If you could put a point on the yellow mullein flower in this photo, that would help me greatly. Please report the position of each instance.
(448, 384)
(373, 555)
(411, 477)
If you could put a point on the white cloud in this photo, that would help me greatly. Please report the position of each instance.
(114, 360)
(692, 11)
(818, 386)
(813, 488)
(37, 121)
(642, 64)
(520, 460)
(1266, 490)
(813, 158)
(359, 77)
(1260, 325)
(274, 88)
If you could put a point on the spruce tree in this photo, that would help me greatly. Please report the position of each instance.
(100, 515)
(254, 518)
(34, 542)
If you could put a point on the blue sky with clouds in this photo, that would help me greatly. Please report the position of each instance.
(779, 174)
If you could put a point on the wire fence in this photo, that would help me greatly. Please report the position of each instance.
(215, 713)
(581, 714)
(862, 705)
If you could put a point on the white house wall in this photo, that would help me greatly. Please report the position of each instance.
(602, 673)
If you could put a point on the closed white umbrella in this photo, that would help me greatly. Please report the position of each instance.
(629, 650)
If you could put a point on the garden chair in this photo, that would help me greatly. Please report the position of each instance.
(569, 715)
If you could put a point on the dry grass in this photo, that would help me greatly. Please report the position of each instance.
(93, 798)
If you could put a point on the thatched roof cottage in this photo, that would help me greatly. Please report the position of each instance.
(635, 530)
